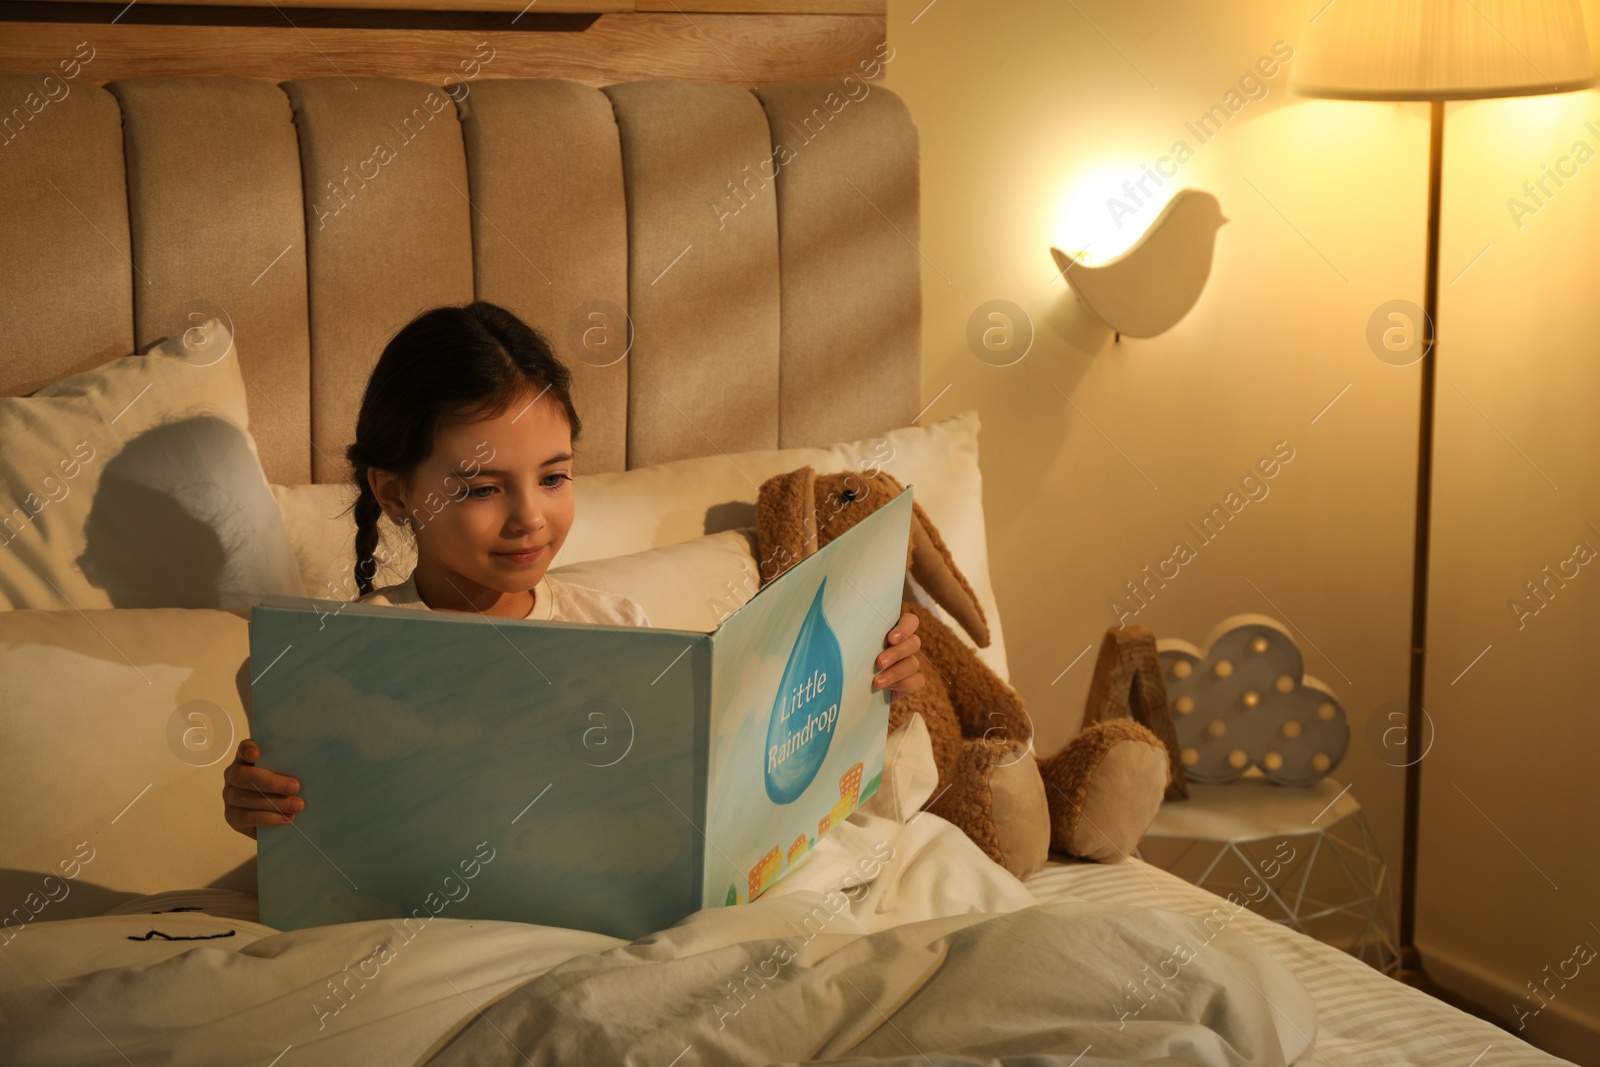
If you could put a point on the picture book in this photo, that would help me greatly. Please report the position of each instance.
(571, 774)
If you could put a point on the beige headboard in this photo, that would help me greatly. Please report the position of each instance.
(321, 215)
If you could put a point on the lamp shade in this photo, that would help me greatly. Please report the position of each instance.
(1442, 49)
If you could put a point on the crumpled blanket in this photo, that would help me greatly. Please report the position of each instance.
(1130, 985)
(878, 949)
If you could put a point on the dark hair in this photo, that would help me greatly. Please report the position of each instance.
(448, 363)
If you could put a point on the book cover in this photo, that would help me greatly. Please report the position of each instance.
(570, 774)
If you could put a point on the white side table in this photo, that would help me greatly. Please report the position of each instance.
(1304, 857)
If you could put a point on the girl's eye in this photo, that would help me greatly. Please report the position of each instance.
(547, 477)
(481, 492)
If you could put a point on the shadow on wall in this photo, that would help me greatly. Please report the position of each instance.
(166, 530)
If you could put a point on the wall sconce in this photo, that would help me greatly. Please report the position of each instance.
(1147, 289)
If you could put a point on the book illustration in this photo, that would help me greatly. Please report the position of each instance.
(850, 784)
(807, 708)
(764, 873)
(849, 797)
(798, 849)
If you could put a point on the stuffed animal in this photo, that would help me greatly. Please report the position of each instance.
(1094, 799)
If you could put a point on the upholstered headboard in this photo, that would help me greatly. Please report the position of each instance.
(763, 243)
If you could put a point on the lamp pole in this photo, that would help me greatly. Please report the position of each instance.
(1410, 960)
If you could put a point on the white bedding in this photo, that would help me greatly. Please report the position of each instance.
(937, 956)
(1363, 1017)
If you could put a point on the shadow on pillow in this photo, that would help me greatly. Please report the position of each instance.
(176, 521)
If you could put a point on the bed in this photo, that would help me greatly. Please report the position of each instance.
(731, 309)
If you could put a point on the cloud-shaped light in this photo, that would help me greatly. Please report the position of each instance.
(1247, 701)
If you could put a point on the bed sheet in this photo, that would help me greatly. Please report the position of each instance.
(1364, 1017)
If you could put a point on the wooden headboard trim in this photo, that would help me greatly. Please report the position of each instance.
(151, 40)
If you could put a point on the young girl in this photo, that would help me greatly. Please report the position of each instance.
(466, 435)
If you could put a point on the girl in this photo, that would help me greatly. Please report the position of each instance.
(465, 435)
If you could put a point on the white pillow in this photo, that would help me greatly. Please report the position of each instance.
(692, 586)
(115, 731)
(670, 502)
(627, 512)
(137, 485)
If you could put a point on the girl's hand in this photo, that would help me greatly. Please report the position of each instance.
(899, 668)
(254, 796)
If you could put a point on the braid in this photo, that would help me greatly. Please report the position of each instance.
(367, 513)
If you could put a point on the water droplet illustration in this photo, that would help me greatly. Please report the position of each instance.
(807, 707)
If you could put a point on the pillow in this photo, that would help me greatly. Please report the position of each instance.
(137, 485)
(116, 728)
(668, 503)
(692, 586)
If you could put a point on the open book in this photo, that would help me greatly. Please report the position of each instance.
(571, 774)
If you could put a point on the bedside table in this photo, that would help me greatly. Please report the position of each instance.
(1304, 857)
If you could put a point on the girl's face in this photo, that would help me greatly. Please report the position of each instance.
(490, 507)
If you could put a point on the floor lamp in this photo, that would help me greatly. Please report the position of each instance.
(1435, 50)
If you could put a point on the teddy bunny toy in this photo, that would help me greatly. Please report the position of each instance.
(1094, 799)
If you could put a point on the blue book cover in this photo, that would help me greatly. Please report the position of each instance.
(571, 774)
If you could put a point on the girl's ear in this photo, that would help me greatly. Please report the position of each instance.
(388, 490)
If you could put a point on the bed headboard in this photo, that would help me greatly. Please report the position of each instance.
(763, 243)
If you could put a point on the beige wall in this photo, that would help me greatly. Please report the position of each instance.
(1509, 802)
(1021, 106)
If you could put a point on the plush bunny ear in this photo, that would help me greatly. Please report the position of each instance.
(935, 570)
(786, 521)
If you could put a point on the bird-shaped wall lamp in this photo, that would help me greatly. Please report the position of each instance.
(1147, 289)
